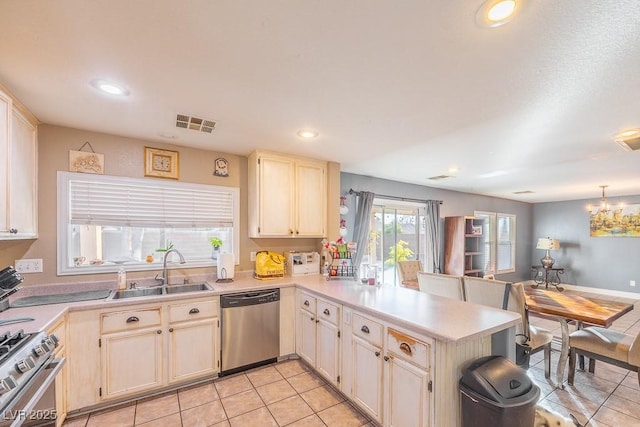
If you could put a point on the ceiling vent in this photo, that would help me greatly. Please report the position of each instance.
(440, 177)
(195, 123)
(629, 144)
(524, 192)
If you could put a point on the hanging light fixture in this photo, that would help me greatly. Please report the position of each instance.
(604, 206)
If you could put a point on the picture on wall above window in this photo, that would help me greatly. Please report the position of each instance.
(221, 167)
(616, 222)
(161, 163)
(86, 161)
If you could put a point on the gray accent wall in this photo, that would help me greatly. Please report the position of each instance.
(599, 262)
(455, 204)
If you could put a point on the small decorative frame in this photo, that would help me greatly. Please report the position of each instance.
(86, 161)
(161, 163)
(221, 167)
(476, 229)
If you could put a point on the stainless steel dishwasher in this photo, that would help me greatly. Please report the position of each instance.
(250, 329)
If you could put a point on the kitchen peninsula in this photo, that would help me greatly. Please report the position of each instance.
(425, 337)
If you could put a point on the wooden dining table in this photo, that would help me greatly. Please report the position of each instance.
(574, 306)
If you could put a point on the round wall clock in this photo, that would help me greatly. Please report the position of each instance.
(222, 167)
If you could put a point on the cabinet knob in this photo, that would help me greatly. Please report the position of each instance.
(405, 348)
(194, 311)
(365, 329)
(170, 329)
(133, 319)
(312, 319)
(297, 232)
(306, 302)
(386, 358)
(158, 332)
(317, 321)
(13, 230)
(290, 231)
(377, 353)
(326, 312)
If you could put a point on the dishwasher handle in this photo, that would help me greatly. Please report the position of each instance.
(249, 298)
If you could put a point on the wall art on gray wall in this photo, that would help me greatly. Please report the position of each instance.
(616, 222)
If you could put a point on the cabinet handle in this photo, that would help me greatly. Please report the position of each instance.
(297, 232)
(158, 332)
(317, 321)
(306, 302)
(13, 231)
(377, 353)
(365, 329)
(312, 319)
(290, 231)
(194, 311)
(405, 348)
(326, 311)
(170, 329)
(386, 358)
(133, 319)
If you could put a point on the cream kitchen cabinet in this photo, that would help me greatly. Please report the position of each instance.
(318, 337)
(132, 356)
(287, 196)
(386, 371)
(193, 339)
(18, 171)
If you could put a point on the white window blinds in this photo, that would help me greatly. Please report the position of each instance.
(122, 201)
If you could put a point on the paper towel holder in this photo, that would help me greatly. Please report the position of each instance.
(223, 274)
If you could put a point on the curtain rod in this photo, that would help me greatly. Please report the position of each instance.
(402, 199)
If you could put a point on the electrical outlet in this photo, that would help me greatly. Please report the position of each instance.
(252, 256)
(26, 266)
(540, 273)
(632, 282)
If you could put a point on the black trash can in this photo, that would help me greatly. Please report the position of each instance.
(495, 392)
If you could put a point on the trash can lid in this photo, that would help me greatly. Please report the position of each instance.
(496, 378)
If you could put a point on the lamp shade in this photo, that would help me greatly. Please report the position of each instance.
(548, 244)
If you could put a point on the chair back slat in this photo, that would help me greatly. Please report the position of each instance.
(443, 285)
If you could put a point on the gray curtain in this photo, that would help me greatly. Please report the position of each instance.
(432, 219)
(361, 224)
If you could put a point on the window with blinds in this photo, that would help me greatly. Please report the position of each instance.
(111, 221)
(500, 242)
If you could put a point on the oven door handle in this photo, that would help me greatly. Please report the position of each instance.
(54, 366)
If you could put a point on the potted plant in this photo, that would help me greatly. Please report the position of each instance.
(216, 243)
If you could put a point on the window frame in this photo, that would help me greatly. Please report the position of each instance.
(494, 242)
(64, 223)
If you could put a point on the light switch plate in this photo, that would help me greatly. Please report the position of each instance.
(26, 266)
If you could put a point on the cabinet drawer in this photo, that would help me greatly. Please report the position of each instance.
(193, 310)
(408, 348)
(307, 302)
(128, 320)
(367, 329)
(328, 312)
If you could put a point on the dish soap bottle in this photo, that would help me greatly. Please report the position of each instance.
(122, 279)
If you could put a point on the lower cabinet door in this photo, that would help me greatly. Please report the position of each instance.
(367, 369)
(408, 397)
(192, 349)
(306, 338)
(328, 351)
(131, 362)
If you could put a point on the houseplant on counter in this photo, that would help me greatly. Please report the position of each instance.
(216, 243)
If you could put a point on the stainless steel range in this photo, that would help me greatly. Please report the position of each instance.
(27, 373)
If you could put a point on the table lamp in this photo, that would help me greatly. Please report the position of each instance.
(548, 244)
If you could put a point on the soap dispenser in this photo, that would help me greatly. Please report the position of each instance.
(122, 279)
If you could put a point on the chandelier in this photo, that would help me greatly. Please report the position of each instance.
(604, 206)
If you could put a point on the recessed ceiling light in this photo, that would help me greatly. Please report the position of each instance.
(452, 169)
(307, 133)
(109, 88)
(494, 13)
(629, 133)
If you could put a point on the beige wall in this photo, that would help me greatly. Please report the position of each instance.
(125, 157)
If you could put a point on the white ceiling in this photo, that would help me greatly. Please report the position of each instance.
(401, 90)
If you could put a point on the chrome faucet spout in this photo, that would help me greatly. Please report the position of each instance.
(165, 276)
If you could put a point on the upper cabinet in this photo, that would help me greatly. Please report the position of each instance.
(18, 171)
(287, 196)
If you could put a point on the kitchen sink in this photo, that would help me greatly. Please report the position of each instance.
(134, 293)
(191, 287)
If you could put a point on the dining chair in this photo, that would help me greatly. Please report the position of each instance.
(408, 272)
(606, 345)
(491, 293)
(443, 285)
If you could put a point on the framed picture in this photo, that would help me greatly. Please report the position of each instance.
(161, 163)
(86, 162)
(476, 229)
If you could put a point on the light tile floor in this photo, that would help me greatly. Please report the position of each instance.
(288, 394)
(608, 398)
(282, 394)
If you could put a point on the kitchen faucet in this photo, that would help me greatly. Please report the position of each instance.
(164, 278)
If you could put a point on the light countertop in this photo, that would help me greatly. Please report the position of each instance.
(440, 318)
